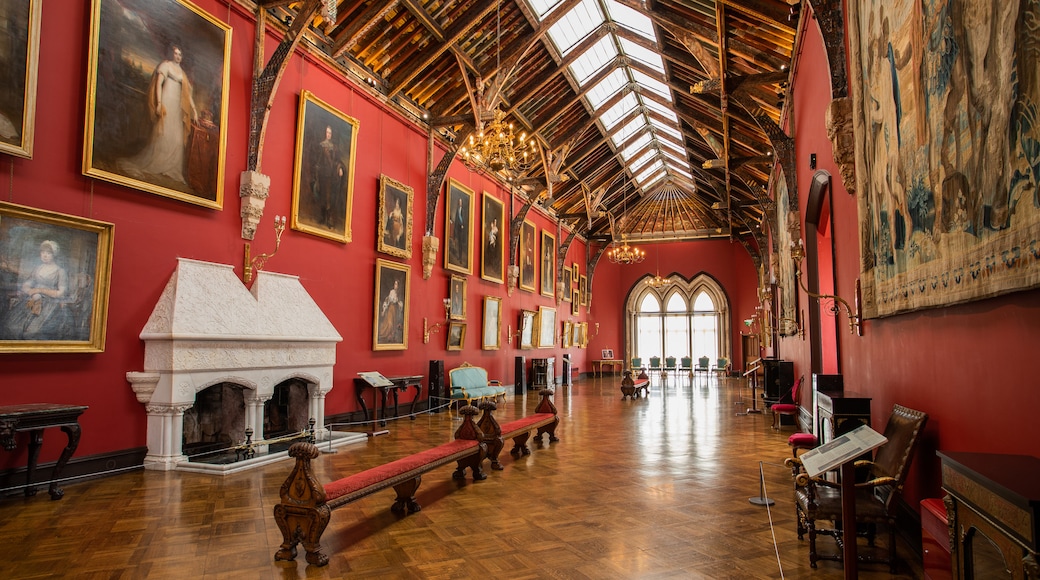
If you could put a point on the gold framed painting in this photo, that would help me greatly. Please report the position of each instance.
(323, 171)
(546, 327)
(528, 322)
(574, 272)
(20, 20)
(583, 290)
(458, 228)
(390, 320)
(528, 253)
(492, 335)
(395, 218)
(575, 302)
(567, 325)
(162, 127)
(456, 335)
(457, 294)
(492, 253)
(581, 335)
(548, 287)
(566, 283)
(54, 272)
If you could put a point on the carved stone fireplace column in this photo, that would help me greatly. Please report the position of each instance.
(255, 417)
(165, 436)
(316, 402)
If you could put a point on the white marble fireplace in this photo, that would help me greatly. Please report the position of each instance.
(208, 329)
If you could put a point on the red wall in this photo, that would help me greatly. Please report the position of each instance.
(152, 231)
(728, 263)
(967, 366)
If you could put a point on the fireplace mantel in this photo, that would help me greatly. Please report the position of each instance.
(208, 328)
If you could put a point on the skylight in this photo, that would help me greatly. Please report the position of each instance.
(659, 149)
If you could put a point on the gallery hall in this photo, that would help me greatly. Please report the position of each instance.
(519, 289)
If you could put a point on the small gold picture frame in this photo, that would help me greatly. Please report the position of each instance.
(492, 335)
(394, 236)
(457, 293)
(456, 335)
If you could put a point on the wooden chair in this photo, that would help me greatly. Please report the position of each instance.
(702, 366)
(669, 366)
(818, 499)
(655, 365)
(686, 367)
(722, 367)
(791, 409)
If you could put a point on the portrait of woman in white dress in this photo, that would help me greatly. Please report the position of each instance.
(37, 312)
(156, 118)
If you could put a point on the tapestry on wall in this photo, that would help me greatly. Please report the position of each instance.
(947, 120)
(788, 232)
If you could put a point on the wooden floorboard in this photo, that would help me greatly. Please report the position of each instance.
(656, 487)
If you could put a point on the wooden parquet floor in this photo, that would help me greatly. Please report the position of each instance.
(656, 487)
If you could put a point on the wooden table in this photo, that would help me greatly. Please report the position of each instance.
(400, 384)
(997, 498)
(597, 366)
(34, 418)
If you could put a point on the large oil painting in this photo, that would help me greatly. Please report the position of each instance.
(20, 21)
(458, 228)
(788, 232)
(548, 268)
(323, 175)
(390, 321)
(528, 253)
(54, 280)
(947, 117)
(492, 252)
(157, 99)
(395, 218)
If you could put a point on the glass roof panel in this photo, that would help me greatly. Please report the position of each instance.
(576, 25)
(652, 84)
(611, 116)
(631, 128)
(638, 145)
(661, 109)
(593, 59)
(642, 160)
(607, 88)
(642, 54)
(631, 19)
(643, 175)
(542, 8)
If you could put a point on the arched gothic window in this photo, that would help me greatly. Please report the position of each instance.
(684, 318)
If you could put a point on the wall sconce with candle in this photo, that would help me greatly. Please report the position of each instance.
(855, 326)
(428, 330)
(257, 263)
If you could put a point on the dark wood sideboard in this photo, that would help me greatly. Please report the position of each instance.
(33, 418)
(993, 506)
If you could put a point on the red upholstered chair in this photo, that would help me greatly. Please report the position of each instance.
(787, 408)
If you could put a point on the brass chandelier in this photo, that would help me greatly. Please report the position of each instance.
(498, 148)
(625, 254)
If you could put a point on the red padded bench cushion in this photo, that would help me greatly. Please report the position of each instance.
(383, 476)
(520, 425)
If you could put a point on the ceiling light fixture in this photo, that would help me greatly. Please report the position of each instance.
(625, 254)
(496, 147)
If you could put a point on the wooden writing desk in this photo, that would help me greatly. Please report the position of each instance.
(34, 418)
(597, 365)
(400, 384)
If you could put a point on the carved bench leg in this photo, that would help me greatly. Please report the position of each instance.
(302, 525)
(495, 446)
(520, 445)
(475, 463)
(550, 429)
(405, 502)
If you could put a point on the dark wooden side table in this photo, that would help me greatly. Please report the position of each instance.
(993, 508)
(379, 406)
(34, 418)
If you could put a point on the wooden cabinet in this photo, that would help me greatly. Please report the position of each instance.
(543, 372)
(840, 412)
(993, 505)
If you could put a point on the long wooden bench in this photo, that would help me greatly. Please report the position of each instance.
(630, 387)
(306, 505)
(544, 420)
